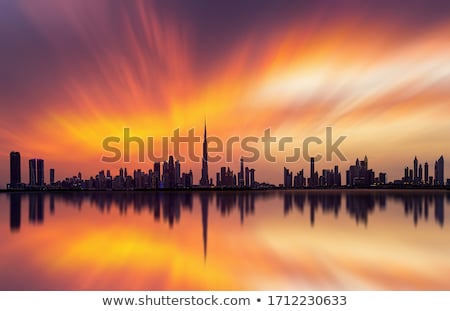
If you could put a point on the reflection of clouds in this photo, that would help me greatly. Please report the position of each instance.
(227, 240)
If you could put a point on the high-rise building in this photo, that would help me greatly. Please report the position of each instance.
(287, 178)
(217, 179)
(382, 178)
(40, 172)
(204, 181)
(157, 174)
(299, 180)
(241, 175)
(171, 173)
(15, 172)
(227, 178)
(177, 173)
(165, 175)
(32, 169)
(426, 173)
(420, 176)
(416, 162)
(252, 178)
(360, 175)
(439, 172)
(52, 176)
(312, 180)
(247, 177)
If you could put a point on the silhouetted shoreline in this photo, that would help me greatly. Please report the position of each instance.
(343, 189)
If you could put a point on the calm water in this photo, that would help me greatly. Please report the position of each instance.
(227, 240)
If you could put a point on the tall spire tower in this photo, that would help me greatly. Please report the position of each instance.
(204, 181)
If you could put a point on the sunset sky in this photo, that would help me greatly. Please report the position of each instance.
(73, 72)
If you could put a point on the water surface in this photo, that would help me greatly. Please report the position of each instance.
(275, 240)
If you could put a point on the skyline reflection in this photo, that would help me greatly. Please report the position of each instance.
(358, 204)
(225, 240)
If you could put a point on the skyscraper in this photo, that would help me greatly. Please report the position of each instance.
(439, 172)
(241, 174)
(415, 170)
(157, 172)
(171, 172)
(40, 172)
(312, 180)
(204, 181)
(15, 176)
(426, 173)
(177, 172)
(247, 177)
(420, 176)
(287, 178)
(52, 176)
(252, 177)
(32, 169)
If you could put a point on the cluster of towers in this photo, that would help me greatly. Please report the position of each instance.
(36, 172)
(244, 179)
(360, 175)
(330, 178)
(420, 175)
(169, 176)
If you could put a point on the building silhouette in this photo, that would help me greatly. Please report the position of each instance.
(157, 175)
(359, 175)
(287, 178)
(300, 180)
(52, 176)
(40, 172)
(15, 170)
(313, 174)
(252, 178)
(241, 175)
(32, 170)
(416, 176)
(204, 181)
(439, 172)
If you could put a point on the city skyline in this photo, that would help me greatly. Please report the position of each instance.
(172, 177)
(75, 73)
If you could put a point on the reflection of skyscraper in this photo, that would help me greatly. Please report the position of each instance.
(40, 208)
(52, 204)
(40, 172)
(439, 209)
(204, 205)
(15, 211)
(32, 208)
(36, 208)
(15, 179)
(204, 181)
(32, 167)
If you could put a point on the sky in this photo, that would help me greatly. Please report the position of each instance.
(75, 72)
